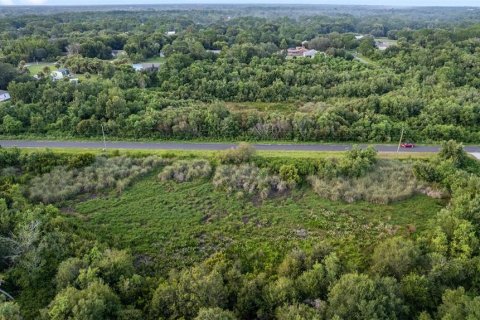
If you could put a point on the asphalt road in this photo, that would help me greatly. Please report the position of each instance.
(208, 146)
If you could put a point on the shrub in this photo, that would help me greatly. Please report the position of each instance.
(451, 150)
(81, 160)
(42, 161)
(358, 161)
(9, 157)
(248, 179)
(62, 184)
(184, 170)
(305, 166)
(241, 154)
(289, 173)
(215, 314)
(298, 312)
(390, 181)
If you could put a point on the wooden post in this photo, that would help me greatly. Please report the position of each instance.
(400, 142)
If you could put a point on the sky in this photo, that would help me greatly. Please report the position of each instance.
(472, 3)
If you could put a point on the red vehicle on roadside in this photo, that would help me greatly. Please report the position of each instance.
(407, 145)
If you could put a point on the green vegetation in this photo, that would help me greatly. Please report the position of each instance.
(175, 236)
(230, 78)
(188, 221)
(240, 234)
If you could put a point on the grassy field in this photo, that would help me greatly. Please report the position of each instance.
(208, 154)
(37, 67)
(154, 60)
(174, 225)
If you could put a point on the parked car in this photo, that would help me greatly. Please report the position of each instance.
(407, 145)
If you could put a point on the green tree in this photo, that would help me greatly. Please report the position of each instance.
(9, 310)
(453, 151)
(298, 312)
(7, 74)
(457, 305)
(357, 296)
(215, 314)
(395, 257)
(97, 301)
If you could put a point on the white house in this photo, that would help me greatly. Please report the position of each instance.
(4, 95)
(359, 37)
(146, 66)
(137, 66)
(59, 74)
(310, 53)
(170, 33)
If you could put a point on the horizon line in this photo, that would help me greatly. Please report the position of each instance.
(265, 3)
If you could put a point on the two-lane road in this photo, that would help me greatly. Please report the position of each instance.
(210, 146)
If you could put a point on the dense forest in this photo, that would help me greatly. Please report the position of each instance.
(238, 235)
(224, 74)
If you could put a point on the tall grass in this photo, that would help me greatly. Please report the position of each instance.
(185, 170)
(389, 181)
(118, 172)
(248, 179)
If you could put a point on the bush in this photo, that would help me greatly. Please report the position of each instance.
(248, 179)
(81, 160)
(184, 170)
(241, 154)
(289, 173)
(215, 314)
(390, 181)
(42, 161)
(298, 312)
(9, 157)
(451, 150)
(62, 184)
(304, 166)
(358, 162)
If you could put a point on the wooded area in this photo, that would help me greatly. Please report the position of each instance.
(426, 81)
(237, 234)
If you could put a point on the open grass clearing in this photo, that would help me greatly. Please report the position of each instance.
(211, 153)
(35, 67)
(177, 224)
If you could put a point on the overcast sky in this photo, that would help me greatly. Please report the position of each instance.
(475, 3)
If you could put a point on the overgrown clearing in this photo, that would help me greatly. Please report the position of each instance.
(179, 224)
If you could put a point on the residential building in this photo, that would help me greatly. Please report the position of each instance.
(60, 74)
(4, 95)
(310, 53)
(296, 52)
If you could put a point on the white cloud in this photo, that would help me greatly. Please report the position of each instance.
(22, 2)
(36, 2)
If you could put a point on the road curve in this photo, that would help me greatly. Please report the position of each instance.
(207, 146)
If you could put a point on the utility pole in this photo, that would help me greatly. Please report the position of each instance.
(400, 142)
(104, 142)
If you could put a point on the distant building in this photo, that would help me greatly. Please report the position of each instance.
(296, 52)
(116, 53)
(310, 53)
(301, 52)
(170, 33)
(359, 37)
(74, 80)
(60, 74)
(137, 66)
(381, 45)
(4, 95)
(146, 66)
(215, 51)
